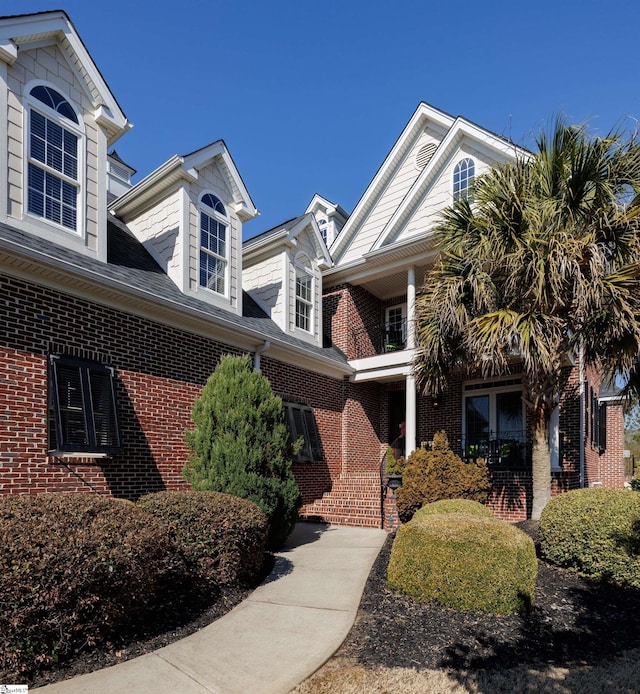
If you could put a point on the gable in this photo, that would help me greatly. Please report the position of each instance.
(390, 185)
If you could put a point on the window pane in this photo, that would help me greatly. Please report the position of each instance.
(477, 417)
(509, 415)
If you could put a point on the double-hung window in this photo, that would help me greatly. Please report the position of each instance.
(302, 426)
(304, 295)
(83, 415)
(53, 168)
(214, 244)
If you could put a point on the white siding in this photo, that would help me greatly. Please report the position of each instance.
(389, 199)
(49, 63)
(263, 281)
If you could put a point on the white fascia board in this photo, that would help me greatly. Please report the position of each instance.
(458, 131)
(383, 367)
(203, 157)
(422, 115)
(8, 51)
(20, 29)
(77, 280)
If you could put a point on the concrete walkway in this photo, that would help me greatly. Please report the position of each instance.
(282, 633)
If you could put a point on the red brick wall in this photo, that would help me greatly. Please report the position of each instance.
(160, 372)
(351, 315)
(362, 447)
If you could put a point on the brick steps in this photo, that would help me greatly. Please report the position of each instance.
(353, 500)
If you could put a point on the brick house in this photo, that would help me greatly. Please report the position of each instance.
(117, 301)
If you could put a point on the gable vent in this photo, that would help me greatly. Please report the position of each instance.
(424, 155)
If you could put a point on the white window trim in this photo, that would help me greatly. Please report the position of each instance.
(300, 268)
(32, 104)
(214, 214)
(463, 192)
(494, 390)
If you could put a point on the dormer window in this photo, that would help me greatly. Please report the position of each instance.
(53, 170)
(304, 294)
(463, 176)
(214, 247)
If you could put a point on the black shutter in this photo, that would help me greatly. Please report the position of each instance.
(602, 427)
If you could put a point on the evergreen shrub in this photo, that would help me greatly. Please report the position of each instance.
(241, 446)
(595, 531)
(432, 475)
(464, 562)
(473, 508)
(79, 571)
(222, 537)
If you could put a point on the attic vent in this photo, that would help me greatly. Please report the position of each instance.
(120, 172)
(424, 155)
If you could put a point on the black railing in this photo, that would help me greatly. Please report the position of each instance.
(509, 450)
(380, 339)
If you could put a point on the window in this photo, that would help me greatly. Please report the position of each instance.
(494, 422)
(82, 408)
(322, 225)
(395, 328)
(214, 224)
(598, 417)
(463, 176)
(53, 180)
(304, 294)
(302, 425)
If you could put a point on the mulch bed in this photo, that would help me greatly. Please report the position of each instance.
(573, 622)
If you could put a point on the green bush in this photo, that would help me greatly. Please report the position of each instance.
(241, 444)
(635, 484)
(432, 475)
(467, 563)
(595, 531)
(473, 508)
(79, 571)
(223, 537)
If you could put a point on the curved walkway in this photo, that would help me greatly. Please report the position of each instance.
(282, 633)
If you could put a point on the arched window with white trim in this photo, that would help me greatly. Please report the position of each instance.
(54, 147)
(214, 244)
(304, 293)
(463, 176)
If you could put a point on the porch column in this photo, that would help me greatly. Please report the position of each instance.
(410, 415)
(411, 307)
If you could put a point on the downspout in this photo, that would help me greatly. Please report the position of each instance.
(582, 413)
(256, 355)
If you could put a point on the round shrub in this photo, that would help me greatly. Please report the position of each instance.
(467, 563)
(431, 475)
(222, 537)
(79, 571)
(473, 508)
(595, 531)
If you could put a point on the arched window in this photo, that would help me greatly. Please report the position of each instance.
(304, 294)
(214, 246)
(463, 178)
(53, 170)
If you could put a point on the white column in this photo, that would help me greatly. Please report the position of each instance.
(410, 415)
(411, 308)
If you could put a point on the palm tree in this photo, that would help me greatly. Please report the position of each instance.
(542, 263)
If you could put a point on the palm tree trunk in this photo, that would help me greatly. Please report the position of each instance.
(541, 469)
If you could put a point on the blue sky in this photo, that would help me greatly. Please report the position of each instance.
(310, 96)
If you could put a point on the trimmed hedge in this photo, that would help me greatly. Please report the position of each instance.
(467, 563)
(78, 571)
(223, 537)
(473, 508)
(596, 532)
(431, 475)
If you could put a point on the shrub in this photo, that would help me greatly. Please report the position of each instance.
(241, 444)
(223, 537)
(79, 571)
(635, 484)
(595, 531)
(431, 475)
(465, 562)
(473, 508)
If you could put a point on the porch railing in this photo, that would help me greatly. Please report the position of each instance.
(380, 339)
(510, 450)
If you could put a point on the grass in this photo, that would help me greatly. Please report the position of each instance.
(340, 676)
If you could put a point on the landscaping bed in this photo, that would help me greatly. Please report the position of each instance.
(573, 622)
